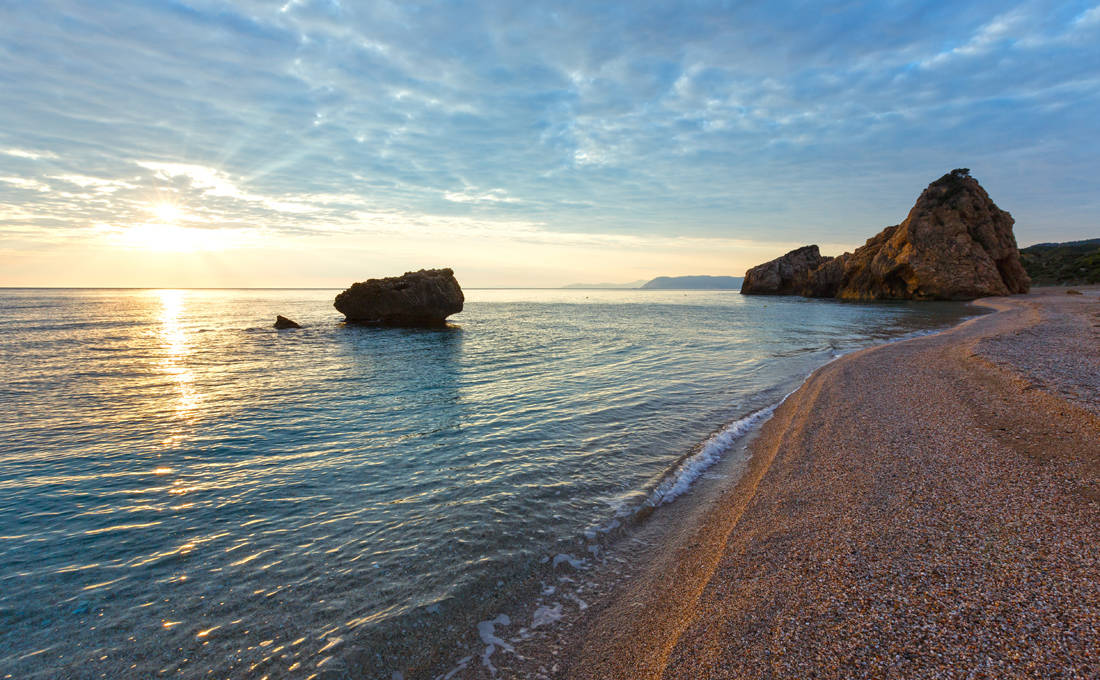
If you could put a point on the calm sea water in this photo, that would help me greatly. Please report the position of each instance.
(187, 492)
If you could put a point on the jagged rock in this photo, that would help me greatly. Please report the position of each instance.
(786, 275)
(825, 281)
(282, 322)
(423, 298)
(956, 244)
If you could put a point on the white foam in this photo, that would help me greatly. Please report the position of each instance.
(488, 635)
(570, 560)
(673, 486)
(546, 615)
(691, 468)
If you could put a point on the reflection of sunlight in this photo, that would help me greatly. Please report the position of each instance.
(175, 343)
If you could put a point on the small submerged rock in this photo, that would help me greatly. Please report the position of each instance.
(422, 298)
(282, 322)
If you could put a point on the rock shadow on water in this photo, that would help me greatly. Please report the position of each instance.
(416, 370)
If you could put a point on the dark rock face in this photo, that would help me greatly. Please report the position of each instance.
(282, 322)
(825, 281)
(423, 298)
(956, 244)
(786, 275)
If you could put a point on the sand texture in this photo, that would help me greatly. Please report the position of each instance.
(924, 509)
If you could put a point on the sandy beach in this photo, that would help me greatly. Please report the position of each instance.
(923, 509)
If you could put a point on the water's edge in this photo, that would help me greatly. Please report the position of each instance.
(559, 598)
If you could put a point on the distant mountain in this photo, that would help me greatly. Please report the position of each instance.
(632, 284)
(694, 283)
(1073, 262)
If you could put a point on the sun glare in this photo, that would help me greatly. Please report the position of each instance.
(173, 238)
(166, 212)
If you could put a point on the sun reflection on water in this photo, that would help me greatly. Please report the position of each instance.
(175, 340)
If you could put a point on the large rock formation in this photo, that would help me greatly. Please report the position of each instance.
(786, 275)
(956, 244)
(422, 298)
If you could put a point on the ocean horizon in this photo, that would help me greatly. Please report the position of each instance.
(188, 491)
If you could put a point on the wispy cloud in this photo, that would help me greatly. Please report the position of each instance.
(32, 155)
(646, 120)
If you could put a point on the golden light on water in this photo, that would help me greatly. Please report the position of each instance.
(176, 347)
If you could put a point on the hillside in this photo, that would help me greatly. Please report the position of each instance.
(1073, 262)
(694, 283)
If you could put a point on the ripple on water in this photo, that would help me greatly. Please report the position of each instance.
(185, 491)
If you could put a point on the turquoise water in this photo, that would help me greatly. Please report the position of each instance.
(187, 492)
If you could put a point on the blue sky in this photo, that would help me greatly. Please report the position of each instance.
(314, 142)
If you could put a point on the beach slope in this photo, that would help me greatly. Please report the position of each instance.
(928, 508)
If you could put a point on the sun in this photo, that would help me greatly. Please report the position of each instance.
(167, 213)
(173, 238)
(171, 230)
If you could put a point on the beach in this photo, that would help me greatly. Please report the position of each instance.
(926, 508)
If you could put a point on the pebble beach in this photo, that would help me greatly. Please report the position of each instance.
(922, 509)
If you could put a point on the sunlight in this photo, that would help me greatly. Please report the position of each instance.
(176, 239)
(166, 212)
(176, 351)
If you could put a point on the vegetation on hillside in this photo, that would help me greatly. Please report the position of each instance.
(1075, 262)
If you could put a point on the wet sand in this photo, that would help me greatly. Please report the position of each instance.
(929, 508)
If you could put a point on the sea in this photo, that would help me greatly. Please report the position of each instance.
(187, 492)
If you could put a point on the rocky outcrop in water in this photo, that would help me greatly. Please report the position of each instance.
(423, 298)
(786, 275)
(956, 244)
(281, 322)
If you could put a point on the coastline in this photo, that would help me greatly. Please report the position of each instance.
(938, 519)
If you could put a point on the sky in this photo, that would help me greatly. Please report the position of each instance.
(208, 143)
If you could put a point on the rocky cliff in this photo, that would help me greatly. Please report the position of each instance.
(786, 275)
(423, 298)
(955, 244)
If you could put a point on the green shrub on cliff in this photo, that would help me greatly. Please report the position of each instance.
(1075, 262)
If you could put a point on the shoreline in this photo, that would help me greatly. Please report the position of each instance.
(729, 592)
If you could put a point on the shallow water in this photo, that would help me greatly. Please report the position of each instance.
(186, 491)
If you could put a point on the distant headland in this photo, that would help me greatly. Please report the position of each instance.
(694, 283)
(671, 283)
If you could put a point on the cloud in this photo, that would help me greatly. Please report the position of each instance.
(32, 155)
(641, 120)
(1088, 18)
(29, 184)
